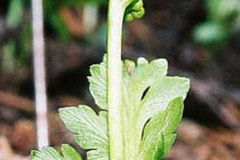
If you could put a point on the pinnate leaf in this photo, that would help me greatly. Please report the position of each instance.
(149, 98)
(159, 133)
(98, 83)
(90, 129)
(49, 153)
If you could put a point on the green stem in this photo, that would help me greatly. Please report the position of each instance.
(114, 45)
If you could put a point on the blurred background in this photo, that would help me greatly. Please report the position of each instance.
(199, 38)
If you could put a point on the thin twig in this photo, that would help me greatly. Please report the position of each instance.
(39, 74)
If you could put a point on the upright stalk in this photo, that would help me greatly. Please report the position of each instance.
(39, 74)
(114, 44)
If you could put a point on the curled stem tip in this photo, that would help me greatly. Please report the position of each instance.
(134, 10)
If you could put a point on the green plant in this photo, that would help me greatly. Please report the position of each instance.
(223, 21)
(16, 20)
(51, 12)
(15, 50)
(140, 106)
(55, 20)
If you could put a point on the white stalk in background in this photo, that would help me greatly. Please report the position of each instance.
(39, 74)
(90, 17)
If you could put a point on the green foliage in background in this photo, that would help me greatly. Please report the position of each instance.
(52, 16)
(9, 56)
(16, 20)
(51, 13)
(223, 22)
(15, 50)
(15, 13)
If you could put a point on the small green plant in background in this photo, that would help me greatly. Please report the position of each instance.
(17, 49)
(51, 13)
(53, 17)
(141, 106)
(223, 22)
